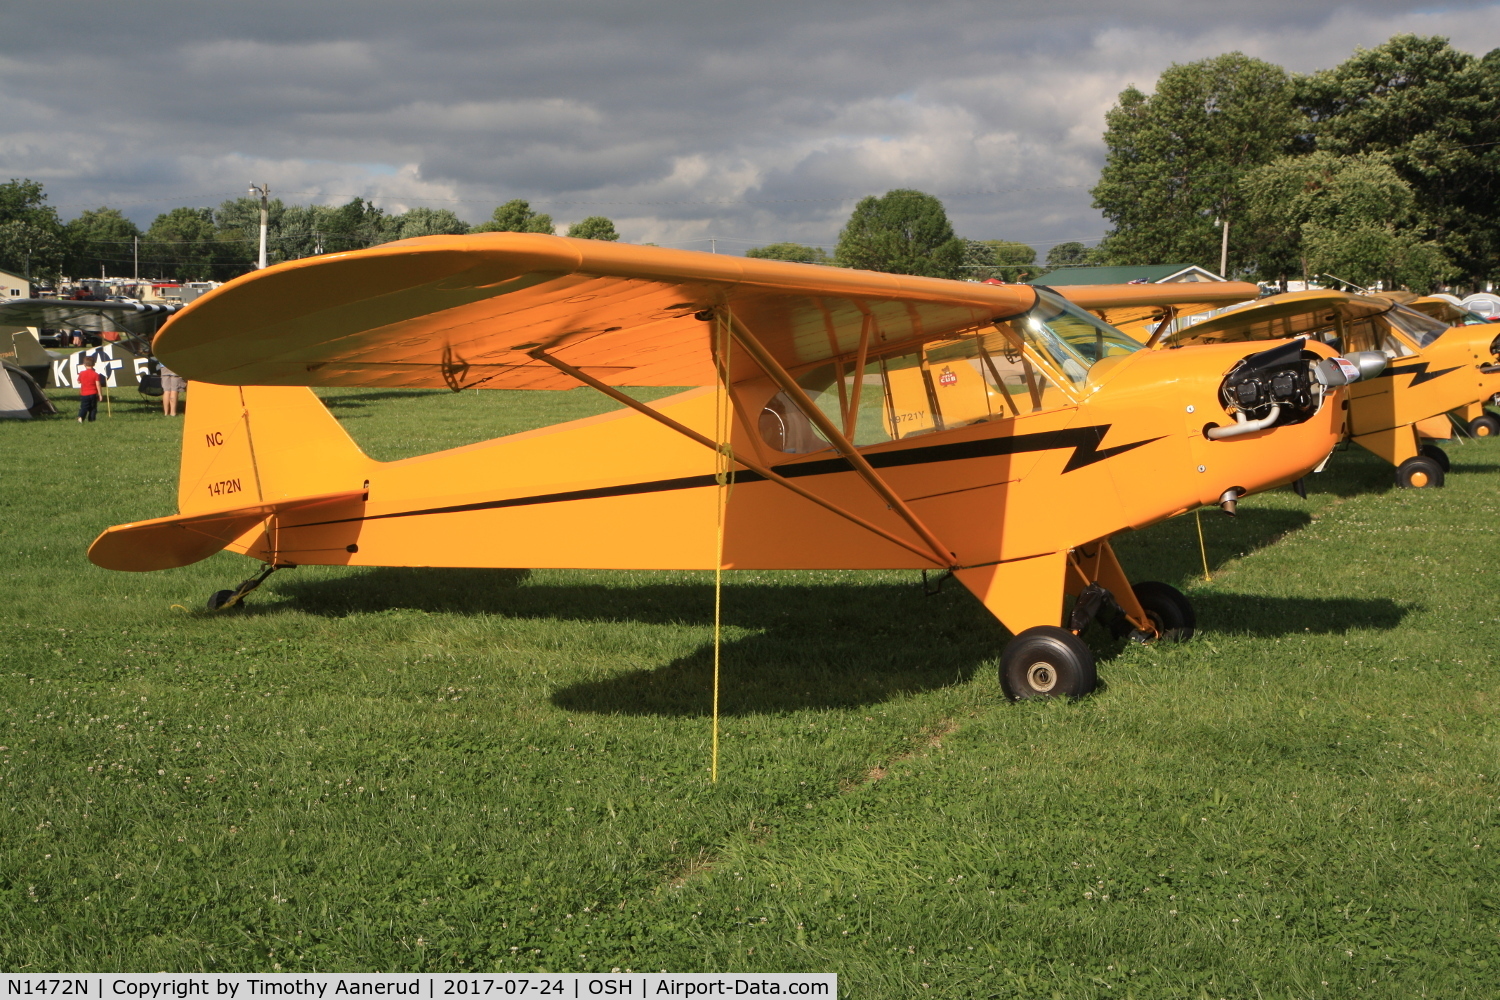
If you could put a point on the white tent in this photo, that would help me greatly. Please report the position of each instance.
(20, 397)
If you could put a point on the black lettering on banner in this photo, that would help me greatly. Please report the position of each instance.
(55, 987)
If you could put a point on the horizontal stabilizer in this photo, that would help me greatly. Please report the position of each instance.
(169, 542)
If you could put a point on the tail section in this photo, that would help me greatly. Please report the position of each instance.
(247, 445)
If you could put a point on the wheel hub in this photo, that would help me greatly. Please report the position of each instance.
(1419, 479)
(1483, 430)
(1042, 677)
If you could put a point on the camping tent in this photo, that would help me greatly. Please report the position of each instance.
(20, 397)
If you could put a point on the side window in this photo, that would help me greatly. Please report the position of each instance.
(945, 384)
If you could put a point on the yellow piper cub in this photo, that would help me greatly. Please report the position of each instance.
(846, 419)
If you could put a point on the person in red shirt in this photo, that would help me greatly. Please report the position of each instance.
(88, 391)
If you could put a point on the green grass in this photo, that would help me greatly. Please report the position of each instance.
(455, 770)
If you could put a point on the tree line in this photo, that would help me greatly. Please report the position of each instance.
(198, 244)
(1385, 168)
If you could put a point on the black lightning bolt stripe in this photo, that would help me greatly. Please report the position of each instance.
(1084, 441)
(1419, 372)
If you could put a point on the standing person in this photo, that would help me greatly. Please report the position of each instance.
(171, 384)
(88, 390)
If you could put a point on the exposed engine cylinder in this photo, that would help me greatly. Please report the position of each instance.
(1283, 378)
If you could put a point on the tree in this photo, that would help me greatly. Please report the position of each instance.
(182, 244)
(1434, 112)
(595, 227)
(902, 232)
(238, 225)
(1175, 158)
(31, 235)
(516, 216)
(795, 252)
(1002, 259)
(354, 225)
(1353, 216)
(425, 222)
(100, 238)
(1071, 254)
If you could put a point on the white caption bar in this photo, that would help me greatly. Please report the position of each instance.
(329, 986)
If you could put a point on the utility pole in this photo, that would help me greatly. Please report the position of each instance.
(137, 241)
(713, 245)
(264, 190)
(1224, 251)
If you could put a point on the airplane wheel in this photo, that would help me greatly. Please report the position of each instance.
(1438, 455)
(1045, 661)
(1484, 427)
(1419, 473)
(1168, 609)
(218, 599)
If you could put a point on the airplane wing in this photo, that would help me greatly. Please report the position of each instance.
(1139, 309)
(464, 311)
(1289, 315)
(139, 318)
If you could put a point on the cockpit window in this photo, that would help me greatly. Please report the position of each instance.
(981, 376)
(1423, 330)
(1073, 339)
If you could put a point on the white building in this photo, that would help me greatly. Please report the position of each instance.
(13, 286)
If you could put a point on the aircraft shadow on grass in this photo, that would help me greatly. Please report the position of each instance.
(813, 646)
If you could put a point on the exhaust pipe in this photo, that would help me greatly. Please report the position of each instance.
(1227, 500)
(1243, 426)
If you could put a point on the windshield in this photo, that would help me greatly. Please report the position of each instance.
(1073, 339)
(1422, 330)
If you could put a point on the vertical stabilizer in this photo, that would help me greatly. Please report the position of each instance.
(250, 444)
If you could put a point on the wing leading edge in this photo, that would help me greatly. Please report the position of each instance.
(464, 311)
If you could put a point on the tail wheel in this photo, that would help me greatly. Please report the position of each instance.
(1045, 661)
(1484, 427)
(1170, 611)
(1418, 473)
(218, 599)
(1438, 455)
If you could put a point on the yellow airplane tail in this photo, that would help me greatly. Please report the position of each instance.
(249, 456)
(247, 445)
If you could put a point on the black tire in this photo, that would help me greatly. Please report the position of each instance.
(1438, 455)
(1170, 611)
(218, 599)
(1045, 661)
(1417, 473)
(1484, 427)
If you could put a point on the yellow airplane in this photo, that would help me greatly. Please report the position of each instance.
(844, 419)
(1435, 368)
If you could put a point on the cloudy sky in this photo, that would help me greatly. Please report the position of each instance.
(742, 122)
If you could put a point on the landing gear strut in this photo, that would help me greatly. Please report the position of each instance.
(223, 600)
(1046, 661)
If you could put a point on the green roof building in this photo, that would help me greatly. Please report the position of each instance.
(1155, 274)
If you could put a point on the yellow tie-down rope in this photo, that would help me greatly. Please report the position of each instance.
(723, 465)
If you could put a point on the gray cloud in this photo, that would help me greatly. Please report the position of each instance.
(748, 122)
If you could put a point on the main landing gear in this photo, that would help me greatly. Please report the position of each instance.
(223, 600)
(1422, 471)
(1046, 661)
(1484, 427)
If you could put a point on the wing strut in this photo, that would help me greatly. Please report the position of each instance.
(753, 347)
(709, 443)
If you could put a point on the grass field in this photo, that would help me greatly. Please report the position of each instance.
(507, 769)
